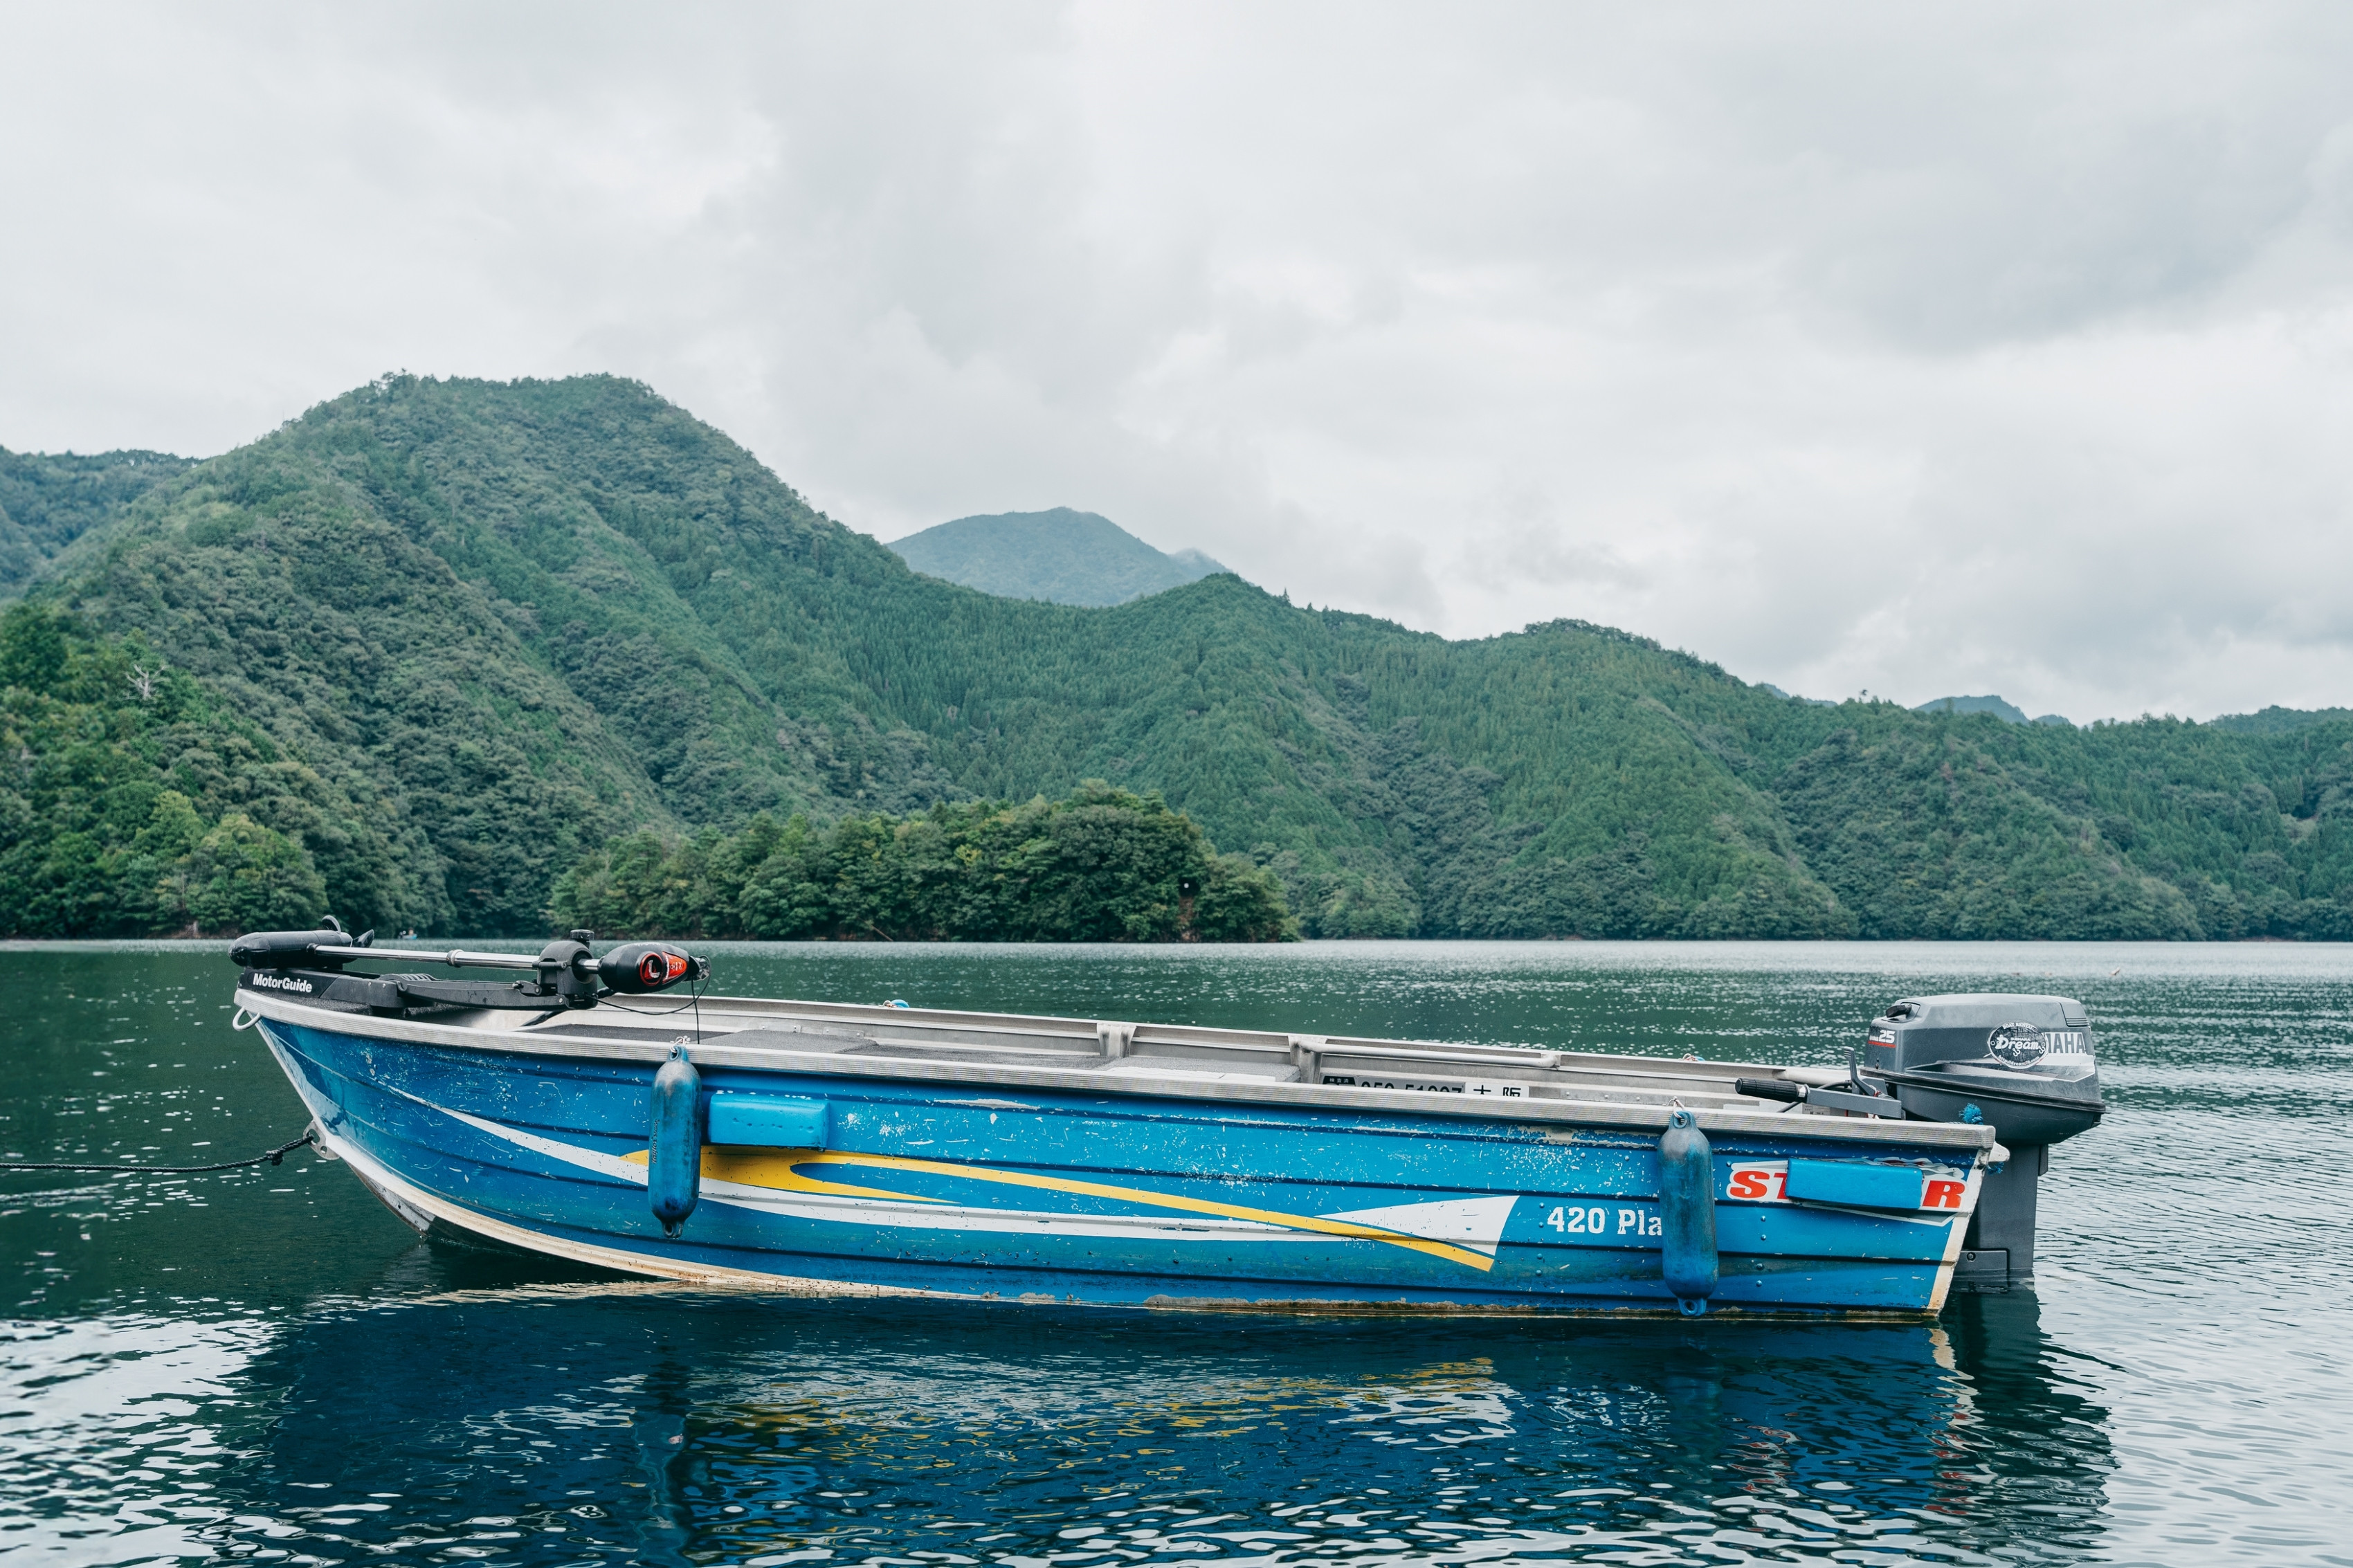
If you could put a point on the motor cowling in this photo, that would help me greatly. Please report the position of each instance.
(2023, 1065)
(644, 967)
(292, 949)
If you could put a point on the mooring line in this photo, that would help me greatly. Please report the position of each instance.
(271, 1157)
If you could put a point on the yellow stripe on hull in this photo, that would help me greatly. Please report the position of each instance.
(778, 1169)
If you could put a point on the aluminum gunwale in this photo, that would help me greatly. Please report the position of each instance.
(521, 1039)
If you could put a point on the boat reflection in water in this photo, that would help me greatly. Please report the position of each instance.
(488, 1411)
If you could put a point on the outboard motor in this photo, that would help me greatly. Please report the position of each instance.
(2021, 1065)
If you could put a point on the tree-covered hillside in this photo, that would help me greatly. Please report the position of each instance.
(504, 626)
(49, 499)
(138, 802)
(1103, 865)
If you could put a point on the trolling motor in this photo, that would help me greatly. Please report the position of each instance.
(565, 973)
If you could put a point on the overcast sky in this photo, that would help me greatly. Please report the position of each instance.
(1917, 350)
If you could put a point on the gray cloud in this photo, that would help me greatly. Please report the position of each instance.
(1989, 349)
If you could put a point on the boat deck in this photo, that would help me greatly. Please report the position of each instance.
(1116, 1050)
(1025, 1052)
(1119, 1055)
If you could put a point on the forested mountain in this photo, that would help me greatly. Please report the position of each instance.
(49, 499)
(435, 643)
(1063, 556)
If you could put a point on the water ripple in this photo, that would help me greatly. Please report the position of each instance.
(265, 1366)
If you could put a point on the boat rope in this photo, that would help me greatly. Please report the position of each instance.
(693, 1000)
(271, 1157)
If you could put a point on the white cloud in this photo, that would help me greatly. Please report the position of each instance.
(1989, 349)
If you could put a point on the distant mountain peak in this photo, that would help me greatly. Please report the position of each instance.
(1066, 556)
(2278, 721)
(1793, 697)
(2009, 713)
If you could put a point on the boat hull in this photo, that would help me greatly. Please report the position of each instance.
(1129, 1200)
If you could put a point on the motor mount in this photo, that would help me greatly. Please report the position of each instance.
(565, 974)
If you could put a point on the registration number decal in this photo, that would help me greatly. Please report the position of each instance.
(1478, 1088)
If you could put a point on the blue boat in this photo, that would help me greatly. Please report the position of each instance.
(826, 1148)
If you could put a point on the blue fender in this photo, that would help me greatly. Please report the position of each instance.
(1687, 1213)
(674, 1158)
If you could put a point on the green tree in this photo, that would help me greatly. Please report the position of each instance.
(1104, 865)
(244, 877)
(32, 649)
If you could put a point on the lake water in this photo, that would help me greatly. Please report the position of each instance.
(266, 1366)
